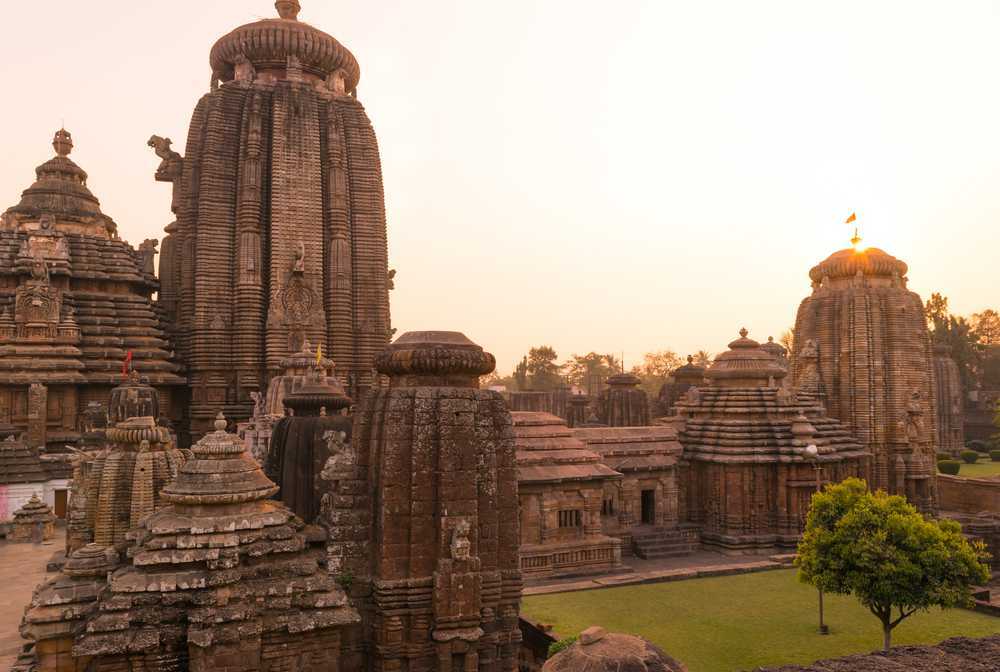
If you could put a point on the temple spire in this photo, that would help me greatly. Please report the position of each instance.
(288, 9)
(63, 142)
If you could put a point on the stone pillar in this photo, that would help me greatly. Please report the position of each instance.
(38, 415)
(444, 486)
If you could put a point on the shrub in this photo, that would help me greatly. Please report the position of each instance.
(978, 446)
(995, 455)
(561, 645)
(950, 467)
(970, 456)
(944, 456)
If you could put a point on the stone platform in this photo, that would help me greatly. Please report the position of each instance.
(22, 567)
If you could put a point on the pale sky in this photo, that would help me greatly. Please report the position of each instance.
(619, 177)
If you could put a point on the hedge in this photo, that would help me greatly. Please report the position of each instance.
(950, 467)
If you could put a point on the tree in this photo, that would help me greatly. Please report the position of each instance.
(883, 551)
(656, 369)
(703, 358)
(496, 380)
(543, 372)
(787, 341)
(987, 325)
(521, 374)
(959, 334)
(589, 372)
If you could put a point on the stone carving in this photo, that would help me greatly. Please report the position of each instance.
(171, 162)
(391, 279)
(461, 547)
(244, 72)
(336, 82)
(912, 423)
(299, 265)
(147, 252)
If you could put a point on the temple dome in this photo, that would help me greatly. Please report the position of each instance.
(268, 43)
(847, 263)
(745, 364)
(60, 191)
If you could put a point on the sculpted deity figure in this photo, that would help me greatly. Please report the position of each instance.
(40, 269)
(300, 258)
(336, 82)
(390, 279)
(461, 547)
(245, 73)
(912, 423)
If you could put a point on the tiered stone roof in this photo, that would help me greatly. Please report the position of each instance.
(101, 283)
(548, 452)
(34, 511)
(633, 449)
(220, 565)
(59, 606)
(20, 463)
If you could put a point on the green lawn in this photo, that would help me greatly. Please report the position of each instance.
(984, 467)
(732, 623)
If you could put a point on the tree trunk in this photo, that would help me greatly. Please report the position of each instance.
(886, 634)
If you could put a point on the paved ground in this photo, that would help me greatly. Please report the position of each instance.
(637, 570)
(22, 567)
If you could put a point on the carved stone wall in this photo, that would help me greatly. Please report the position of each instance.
(444, 566)
(950, 402)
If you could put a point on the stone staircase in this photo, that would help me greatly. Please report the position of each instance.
(657, 543)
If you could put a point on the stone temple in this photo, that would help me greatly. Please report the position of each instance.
(75, 300)
(280, 233)
(862, 344)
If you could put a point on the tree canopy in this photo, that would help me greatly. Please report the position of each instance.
(589, 372)
(987, 325)
(543, 372)
(656, 369)
(959, 334)
(883, 551)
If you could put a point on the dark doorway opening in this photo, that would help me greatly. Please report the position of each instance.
(60, 507)
(649, 507)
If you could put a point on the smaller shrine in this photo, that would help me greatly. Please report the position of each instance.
(561, 490)
(624, 403)
(681, 380)
(755, 452)
(33, 522)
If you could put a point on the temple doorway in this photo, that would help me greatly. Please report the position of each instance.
(60, 504)
(649, 507)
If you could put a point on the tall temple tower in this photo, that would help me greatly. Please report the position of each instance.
(280, 234)
(862, 344)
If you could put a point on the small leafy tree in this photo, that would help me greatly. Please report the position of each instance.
(655, 370)
(543, 371)
(987, 325)
(880, 549)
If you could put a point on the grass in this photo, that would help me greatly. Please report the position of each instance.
(741, 622)
(982, 468)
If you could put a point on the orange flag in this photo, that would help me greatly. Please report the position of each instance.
(852, 218)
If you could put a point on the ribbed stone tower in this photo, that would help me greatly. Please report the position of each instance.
(443, 560)
(950, 419)
(280, 232)
(861, 340)
(624, 403)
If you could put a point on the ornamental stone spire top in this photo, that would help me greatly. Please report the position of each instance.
(288, 9)
(63, 142)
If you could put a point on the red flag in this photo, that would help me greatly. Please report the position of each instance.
(126, 364)
(852, 218)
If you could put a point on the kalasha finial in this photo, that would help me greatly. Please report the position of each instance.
(690, 359)
(63, 142)
(744, 332)
(220, 422)
(288, 9)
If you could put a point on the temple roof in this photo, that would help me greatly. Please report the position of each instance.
(746, 363)
(847, 263)
(268, 44)
(60, 191)
(547, 451)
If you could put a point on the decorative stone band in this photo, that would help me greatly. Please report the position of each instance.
(136, 430)
(434, 358)
(847, 263)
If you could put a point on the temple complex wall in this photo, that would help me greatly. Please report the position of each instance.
(969, 495)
